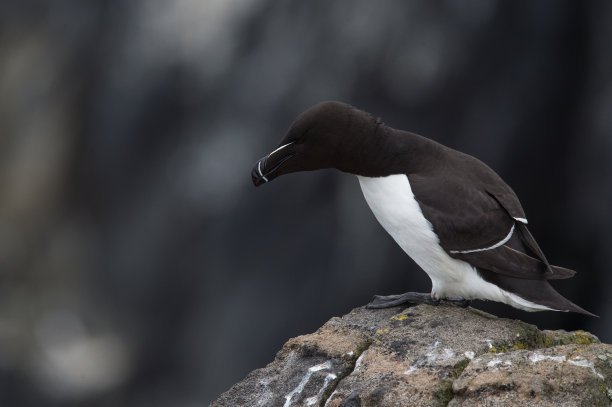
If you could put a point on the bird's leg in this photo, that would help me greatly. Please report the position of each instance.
(388, 301)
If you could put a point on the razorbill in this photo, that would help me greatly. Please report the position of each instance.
(451, 213)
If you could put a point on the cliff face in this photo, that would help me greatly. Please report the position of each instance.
(430, 356)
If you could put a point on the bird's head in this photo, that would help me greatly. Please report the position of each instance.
(317, 139)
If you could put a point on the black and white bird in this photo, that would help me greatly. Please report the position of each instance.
(451, 213)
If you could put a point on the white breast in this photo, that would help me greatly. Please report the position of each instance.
(394, 206)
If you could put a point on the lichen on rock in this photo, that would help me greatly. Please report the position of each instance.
(430, 356)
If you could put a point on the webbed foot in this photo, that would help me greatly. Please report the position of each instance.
(388, 301)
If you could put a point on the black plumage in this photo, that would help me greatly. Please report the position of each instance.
(476, 216)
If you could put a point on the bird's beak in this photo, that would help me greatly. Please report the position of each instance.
(266, 169)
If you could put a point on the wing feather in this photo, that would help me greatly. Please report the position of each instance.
(482, 222)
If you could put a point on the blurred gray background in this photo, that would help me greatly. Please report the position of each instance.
(138, 264)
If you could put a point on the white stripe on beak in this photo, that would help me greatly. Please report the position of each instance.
(261, 173)
(280, 148)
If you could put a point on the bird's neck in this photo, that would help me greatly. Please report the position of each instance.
(378, 150)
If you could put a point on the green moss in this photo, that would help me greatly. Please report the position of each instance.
(520, 345)
(443, 394)
(459, 368)
(555, 338)
(506, 347)
(529, 337)
(547, 341)
(362, 348)
(601, 396)
(605, 390)
(583, 338)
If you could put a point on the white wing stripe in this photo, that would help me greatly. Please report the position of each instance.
(495, 246)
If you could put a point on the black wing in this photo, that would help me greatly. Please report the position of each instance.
(481, 221)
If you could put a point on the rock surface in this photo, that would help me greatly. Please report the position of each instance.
(430, 356)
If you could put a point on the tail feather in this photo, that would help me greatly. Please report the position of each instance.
(560, 273)
(537, 291)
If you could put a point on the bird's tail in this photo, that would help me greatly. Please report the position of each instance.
(536, 291)
(552, 299)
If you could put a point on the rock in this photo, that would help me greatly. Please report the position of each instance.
(430, 356)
